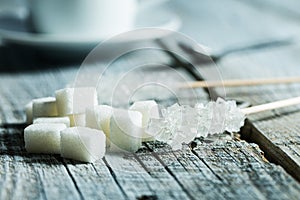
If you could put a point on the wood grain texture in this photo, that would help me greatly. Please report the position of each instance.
(288, 9)
(259, 63)
(219, 168)
(226, 169)
(279, 128)
(138, 178)
(263, 63)
(25, 176)
(227, 24)
(75, 180)
(147, 174)
(94, 180)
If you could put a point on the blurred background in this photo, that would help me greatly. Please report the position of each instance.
(219, 25)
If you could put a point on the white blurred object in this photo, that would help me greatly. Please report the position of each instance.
(125, 130)
(149, 109)
(157, 17)
(13, 8)
(81, 17)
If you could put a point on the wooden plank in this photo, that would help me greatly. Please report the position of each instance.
(287, 9)
(240, 23)
(180, 175)
(227, 169)
(153, 178)
(138, 177)
(47, 175)
(86, 180)
(267, 177)
(94, 180)
(29, 176)
(17, 89)
(52, 177)
(279, 129)
(196, 178)
(226, 24)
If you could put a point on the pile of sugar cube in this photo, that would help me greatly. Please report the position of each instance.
(73, 125)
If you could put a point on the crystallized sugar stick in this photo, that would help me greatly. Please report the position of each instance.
(149, 109)
(43, 138)
(77, 120)
(98, 117)
(59, 120)
(75, 100)
(44, 107)
(126, 130)
(28, 111)
(82, 144)
(181, 124)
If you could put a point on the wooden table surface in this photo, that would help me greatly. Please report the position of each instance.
(260, 162)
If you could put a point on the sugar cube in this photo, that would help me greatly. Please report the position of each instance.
(126, 129)
(60, 120)
(43, 138)
(98, 117)
(75, 100)
(149, 109)
(82, 144)
(44, 107)
(77, 120)
(28, 111)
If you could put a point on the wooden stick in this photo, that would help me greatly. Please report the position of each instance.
(240, 82)
(271, 106)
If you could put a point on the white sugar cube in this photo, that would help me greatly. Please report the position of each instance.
(44, 107)
(82, 144)
(149, 109)
(98, 117)
(75, 100)
(43, 138)
(28, 111)
(77, 120)
(59, 120)
(126, 129)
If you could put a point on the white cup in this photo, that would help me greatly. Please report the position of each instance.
(82, 17)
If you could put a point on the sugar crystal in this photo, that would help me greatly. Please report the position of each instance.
(181, 124)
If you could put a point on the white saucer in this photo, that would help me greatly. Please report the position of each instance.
(156, 17)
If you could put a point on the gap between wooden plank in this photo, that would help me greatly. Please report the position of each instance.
(166, 168)
(117, 183)
(267, 177)
(114, 177)
(43, 193)
(93, 180)
(141, 181)
(272, 152)
(243, 163)
(38, 170)
(194, 187)
(73, 180)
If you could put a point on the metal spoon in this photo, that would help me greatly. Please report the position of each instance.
(203, 58)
